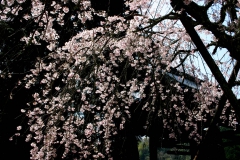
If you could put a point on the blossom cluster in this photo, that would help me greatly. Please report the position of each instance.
(89, 86)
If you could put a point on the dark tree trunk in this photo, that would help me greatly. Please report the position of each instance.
(154, 135)
(125, 148)
(212, 148)
(153, 146)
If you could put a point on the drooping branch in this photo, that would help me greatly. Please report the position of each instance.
(209, 60)
(199, 13)
(218, 113)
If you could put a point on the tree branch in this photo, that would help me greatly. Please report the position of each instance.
(210, 62)
(200, 14)
(218, 113)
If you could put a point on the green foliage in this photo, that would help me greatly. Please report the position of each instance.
(232, 152)
(230, 141)
(143, 149)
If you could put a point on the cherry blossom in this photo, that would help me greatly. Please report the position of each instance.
(91, 84)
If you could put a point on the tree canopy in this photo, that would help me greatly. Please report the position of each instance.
(87, 77)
